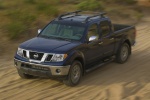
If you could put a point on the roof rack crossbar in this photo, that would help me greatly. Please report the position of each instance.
(70, 13)
(101, 15)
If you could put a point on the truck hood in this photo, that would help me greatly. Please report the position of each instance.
(48, 45)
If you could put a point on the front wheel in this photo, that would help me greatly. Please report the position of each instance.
(75, 74)
(123, 53)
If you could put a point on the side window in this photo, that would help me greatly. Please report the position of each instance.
(93, 31)
(105, 29)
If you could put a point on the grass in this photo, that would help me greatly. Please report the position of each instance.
(129, 2)
(90, 5)
(20, 22)
(1, 6)
(47, 9)
(15, 29)
(30, 1)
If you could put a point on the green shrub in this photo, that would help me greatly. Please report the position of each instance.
(127, 1)
(47, 9)
(20, 22)
(1, 6)
(27, 18)
(70, 1)
(42, 6)
(30, 1)
(130, 1)
(52, 11)
(15, 29)
(21, 16)
(90, 5)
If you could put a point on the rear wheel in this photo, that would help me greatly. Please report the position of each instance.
(75, 74)
(123, 53)
(23, 75)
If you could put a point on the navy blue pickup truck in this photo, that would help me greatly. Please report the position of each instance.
(72, 45)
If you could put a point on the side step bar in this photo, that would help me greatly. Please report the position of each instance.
(101, 64)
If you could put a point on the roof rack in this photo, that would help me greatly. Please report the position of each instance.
(70, 13)
(101, 15)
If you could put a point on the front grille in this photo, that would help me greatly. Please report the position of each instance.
(36, 55)
(48, 58)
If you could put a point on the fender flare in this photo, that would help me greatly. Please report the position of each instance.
(76, 55)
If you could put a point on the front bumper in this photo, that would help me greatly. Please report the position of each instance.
(40, 69)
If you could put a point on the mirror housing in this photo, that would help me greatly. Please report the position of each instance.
(92, 38)
(39, 31)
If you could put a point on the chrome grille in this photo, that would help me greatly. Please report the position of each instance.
(36, 55)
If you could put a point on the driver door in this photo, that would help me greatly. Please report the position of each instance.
(93, 52)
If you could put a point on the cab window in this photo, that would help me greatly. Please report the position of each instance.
(105, 29)
(93, 31)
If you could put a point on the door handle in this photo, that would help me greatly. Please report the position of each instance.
(100, 43)
(111, 39)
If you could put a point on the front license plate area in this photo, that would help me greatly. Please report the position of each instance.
(35, 67)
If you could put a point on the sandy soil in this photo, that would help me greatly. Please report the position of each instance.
(129, 81)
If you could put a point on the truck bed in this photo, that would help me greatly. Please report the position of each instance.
(120, 27)
(123, 31)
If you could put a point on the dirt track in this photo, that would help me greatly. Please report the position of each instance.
(129, 81)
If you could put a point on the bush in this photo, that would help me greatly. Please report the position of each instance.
(47, 9)
(30, 1)
(127, 1)
(70, 1)
(130, 1)
(20, 23)
(21, 16)
(15, 29)
(90, 5)
(1, 6)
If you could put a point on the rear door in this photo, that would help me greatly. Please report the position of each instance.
(108, 41)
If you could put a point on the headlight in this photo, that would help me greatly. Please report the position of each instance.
(20, 52)
(58, 57)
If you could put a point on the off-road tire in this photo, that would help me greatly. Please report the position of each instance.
(123, 53)
(75, 74)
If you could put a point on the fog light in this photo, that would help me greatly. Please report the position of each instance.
(58, 70)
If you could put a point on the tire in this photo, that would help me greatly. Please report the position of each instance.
(75, 74)
(123, 53)
(23, 75)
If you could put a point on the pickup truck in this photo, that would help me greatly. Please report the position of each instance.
(72, 45)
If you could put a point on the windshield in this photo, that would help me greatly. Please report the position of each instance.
(63, 31)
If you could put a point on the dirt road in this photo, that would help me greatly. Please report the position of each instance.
(129, 81)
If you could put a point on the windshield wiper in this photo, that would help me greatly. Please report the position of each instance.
(51, 37)
(66, 39)
(45, 36)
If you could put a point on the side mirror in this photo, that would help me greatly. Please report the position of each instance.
(92, 38)
(39, 31)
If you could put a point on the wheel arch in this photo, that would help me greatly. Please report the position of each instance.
(76, 56)
(80, 59)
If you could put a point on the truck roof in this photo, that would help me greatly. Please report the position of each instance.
(84, 18)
